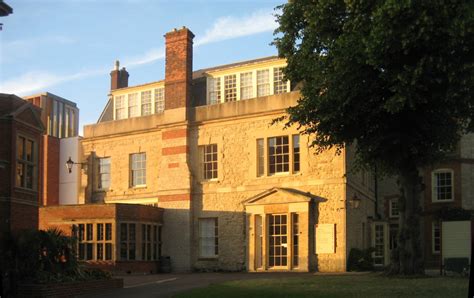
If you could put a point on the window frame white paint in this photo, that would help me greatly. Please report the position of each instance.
(266, 156)
(434, 186)
(201, 238)
(139, 101)
(238, 74)
(390, 208)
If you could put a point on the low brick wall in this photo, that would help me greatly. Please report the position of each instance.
(68, 289)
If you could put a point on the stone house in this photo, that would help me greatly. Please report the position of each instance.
(236, 191)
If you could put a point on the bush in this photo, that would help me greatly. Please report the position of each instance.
(360, 260)
(49, 257)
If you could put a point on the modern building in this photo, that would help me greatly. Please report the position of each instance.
(21, 131)
(237, 191)
(60, 117)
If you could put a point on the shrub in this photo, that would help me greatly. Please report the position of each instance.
(360, 260)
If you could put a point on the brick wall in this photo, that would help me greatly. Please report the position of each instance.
(179, 67)
(50, 171)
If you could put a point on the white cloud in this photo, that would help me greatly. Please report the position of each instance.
(148, 57)
(223, 28)
(17, 49)
(232, 27)
(40, 80)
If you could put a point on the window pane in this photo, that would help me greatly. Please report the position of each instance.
(89, 230)
(133, 110)
(279, 84)
(263, 82)
(120, 107)
(246, 84)
(208, 237)
(260, 158)
(296, 153)
(159, 100)
(230, 88)
(104, 173)
(278, 152)
(100, 231)
(108, 231)
(146, 103)
(138, 169)
(108, 251)
(214, 90)
(209, 162)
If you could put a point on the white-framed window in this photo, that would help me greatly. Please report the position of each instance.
(230, 88)
(138, 169)
(214, 90)
(120, 107)
(209, 161)
(104, 173)
(159, 100)
(26, 163)
(279, 83)
(128, 241)
(246, 85)
(296, 153)
(146, 102)
(393, 208)
(208, 238)
(435, 237)
(442, 185)
(278, 155)
(133, 109)
(282, 155)
(263, 82)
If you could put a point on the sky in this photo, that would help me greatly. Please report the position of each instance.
(68, 47)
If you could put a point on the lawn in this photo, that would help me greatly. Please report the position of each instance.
(367, 285)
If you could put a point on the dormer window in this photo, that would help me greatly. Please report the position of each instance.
(247, 84)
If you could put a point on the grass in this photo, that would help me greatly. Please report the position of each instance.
(369, 285)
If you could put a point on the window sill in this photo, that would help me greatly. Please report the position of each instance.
(138, 186)
(442, 201)
(209, 181)
(279, 175)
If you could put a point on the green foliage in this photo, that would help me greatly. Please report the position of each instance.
(360, 260)
(395, 77)
(48, 257)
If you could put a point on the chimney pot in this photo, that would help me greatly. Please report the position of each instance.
(117, 65)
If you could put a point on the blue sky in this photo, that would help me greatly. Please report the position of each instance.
(69, 47)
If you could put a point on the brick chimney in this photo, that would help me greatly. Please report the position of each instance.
(179, 68)
(118, 78)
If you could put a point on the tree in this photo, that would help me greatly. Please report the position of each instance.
(393, 77)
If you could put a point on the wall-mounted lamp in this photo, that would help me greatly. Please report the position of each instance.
(354, 202)
(70, 163)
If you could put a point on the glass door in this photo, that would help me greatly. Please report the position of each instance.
(278, 241)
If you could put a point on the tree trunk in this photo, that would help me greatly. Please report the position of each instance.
(407, 259)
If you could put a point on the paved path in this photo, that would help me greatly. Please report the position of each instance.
(166, 285)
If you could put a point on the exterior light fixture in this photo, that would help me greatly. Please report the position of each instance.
(354, 202)
(70, 163)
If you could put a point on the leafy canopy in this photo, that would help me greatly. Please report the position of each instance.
(395, 77)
